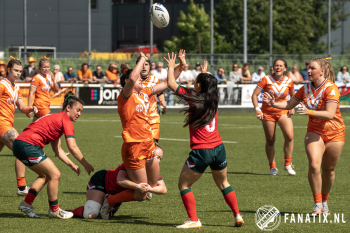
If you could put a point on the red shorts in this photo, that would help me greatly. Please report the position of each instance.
(337, 137)
(135, 154)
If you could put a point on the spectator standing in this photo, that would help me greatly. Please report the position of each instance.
(70, 75)
(2, 69)
(58, 75)
(246, 73)
(234, 75)
(161, 74)
(29, 71)
(112, 73)
(220, 75)
(258, 75)
(343, 75)
(153, 68)
(98, 75)
(295, 75)
(85, 74)
(304, 72)
(186, 76)
(196, 71)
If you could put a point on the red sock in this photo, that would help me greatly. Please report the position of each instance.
(231, 200)
(125, 196)
(78, 212)
(30, 196)
(21, 182)
(324, 197)
(287, 160)
(54, 206)
(272, 165)
(189, 203)
(317, 198)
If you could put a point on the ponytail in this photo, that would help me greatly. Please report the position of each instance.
(70, 99)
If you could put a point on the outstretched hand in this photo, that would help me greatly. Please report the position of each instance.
(302, 109)
(171, 61)
(204, 67)
(267, 98)
(182, 58)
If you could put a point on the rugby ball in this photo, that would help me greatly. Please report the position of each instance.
(159, 15)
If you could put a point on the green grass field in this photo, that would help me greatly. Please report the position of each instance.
(248, 173)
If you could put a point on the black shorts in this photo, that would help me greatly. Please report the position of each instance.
(97, 181)
(27, 153)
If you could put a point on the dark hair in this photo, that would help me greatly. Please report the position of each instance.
(246, 64)
(124, 77)
(98, 66)
(280, 59)
(10, 64)
(70, 67)
(147, 60)
(84, 64)
(233, 66)
(70, 99)
(341, 68)
(204, 105)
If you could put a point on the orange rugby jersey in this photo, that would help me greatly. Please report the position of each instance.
(279, 88)
(153, 109)
(9, 95)
(134, 114)
(43, 86)
(316, 99)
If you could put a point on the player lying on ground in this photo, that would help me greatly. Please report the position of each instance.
(10, 97)
(113, 182)
(206, 144)
(325, 135)
(28, 149)
(138, 150)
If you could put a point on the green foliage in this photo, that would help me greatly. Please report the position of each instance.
(194, 29)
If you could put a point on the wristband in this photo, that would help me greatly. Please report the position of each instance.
(181, 68)
(311, 112)
(258, 109)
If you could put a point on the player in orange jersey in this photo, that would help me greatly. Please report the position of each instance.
(280, 86)
(138, 150)
(10, 97)
(325, 135)
(40, 86)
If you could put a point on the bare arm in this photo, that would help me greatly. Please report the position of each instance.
(258, 113)
(63, 156)
(129, 86)
(32, 90)
(24, 108)
(249, 78)
(160, 87)
(327, 114)
(159, 189)
(124, 181)
(285, 105)
(75, 151)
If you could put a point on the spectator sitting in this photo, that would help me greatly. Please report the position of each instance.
(29, 71)
(258, 75)
(85, 74)
(343, 75)
(186, 76)
(234, 75)
(304, 72)
(2, 69)
(295, 75)
(160, 73)
(98, 75)
(70, 75)
(246, 73)
(153, 68)
(123, 68)
(220, 75)
(112, 72)
(196, 71)
(58, 75)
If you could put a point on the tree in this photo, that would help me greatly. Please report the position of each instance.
(194, 30)
(298, 25)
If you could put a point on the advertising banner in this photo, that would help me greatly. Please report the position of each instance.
(99, 96)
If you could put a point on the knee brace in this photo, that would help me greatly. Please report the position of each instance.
(91, 208)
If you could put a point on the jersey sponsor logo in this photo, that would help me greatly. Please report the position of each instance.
(190, 164)
(45, 88)
(91, 186)
(144, 102)
(35, 159)
(11, 101)
(139, 108)
(210, 127)
(279, 89)
(223, 163)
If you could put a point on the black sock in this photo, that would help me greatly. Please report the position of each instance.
(22, 188)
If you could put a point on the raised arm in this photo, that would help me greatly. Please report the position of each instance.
(75, 151)
(181, 56)
(171, 67)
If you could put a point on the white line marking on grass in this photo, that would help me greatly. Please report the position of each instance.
(178, 139)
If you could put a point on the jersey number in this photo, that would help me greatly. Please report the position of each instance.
(210, 127)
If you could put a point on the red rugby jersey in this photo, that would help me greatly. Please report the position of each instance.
(47, 129)
(111, 180)
(206, 137)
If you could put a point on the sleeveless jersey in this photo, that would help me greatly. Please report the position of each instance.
(9, 94)
(43, 86)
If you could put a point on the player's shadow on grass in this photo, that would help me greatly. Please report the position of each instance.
(8, 155)
(245, 173)
(75, 193)
(12, 215)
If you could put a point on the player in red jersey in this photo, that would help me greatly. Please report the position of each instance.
(205, 142)
(113, 182)
(280, 86)
(28, 149)
(325, 135)
(10, 97)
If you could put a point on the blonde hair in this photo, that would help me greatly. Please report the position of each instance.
(42, 61)
(328, 68)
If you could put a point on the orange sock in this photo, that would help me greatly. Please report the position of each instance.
(272, 165)
(125, 196)
(317, 198)
(324, 197)
(287, 160)
(21, 182)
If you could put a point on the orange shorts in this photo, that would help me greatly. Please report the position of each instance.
(4, 127)
(155, 131)
(338, 137)
(272, 117)
(135, 154)
(42, 112)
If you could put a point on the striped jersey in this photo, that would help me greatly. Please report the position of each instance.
(43, 86)
(9, 94)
